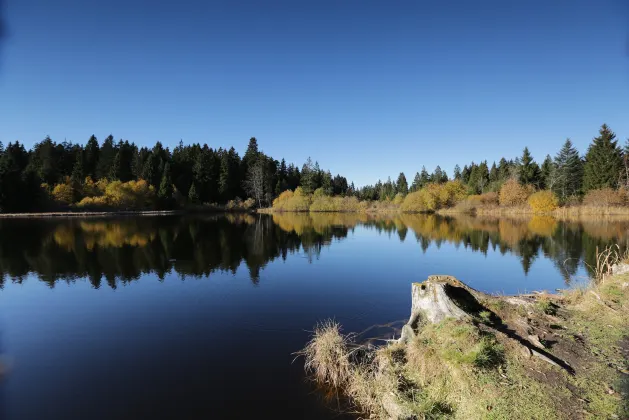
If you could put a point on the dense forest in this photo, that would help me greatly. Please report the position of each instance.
(110, 174)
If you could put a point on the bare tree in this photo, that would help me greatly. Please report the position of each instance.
(254, 184)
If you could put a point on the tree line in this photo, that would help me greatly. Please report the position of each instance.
(121, 174)
(568, 174)
(52, 174)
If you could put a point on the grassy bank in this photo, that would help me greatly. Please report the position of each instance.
(478, 368)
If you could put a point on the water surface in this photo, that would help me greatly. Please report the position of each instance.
(198, 317)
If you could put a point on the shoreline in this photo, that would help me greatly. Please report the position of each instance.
(464, 352)
(76, 214)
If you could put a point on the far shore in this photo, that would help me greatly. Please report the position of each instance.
(563, 213)
(72, 214)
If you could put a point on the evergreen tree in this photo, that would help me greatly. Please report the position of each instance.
(547, 173)
(309, 175)
(479, 178)
(493, 173)
(437, 176)
(193, 197)
(326, 183)
(457, 172)
(466, 173)
(92, 151)
(504, 169)
(106, 157)
(568, 172)
(165, 192)
(114, 171)
(603, 161)
(150, 171)
(529, 172)
(402, 184)
(416, 182)
(424, 177)
(77, 172)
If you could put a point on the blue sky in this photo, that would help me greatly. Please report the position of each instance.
(367, 88)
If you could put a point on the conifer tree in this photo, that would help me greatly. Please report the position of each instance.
(114, 171)
(603, 161)
(165, 192)
(416, 182)
(528, 170)
(457, 172)
(493, 173)
(424, 178)
(402, 184)
(568, 174)
(193, 197)
(92, 151)
(106, 158)
(547, 172)
(77, 172)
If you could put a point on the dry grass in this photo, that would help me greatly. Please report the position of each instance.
(327, 355)
(457, 369)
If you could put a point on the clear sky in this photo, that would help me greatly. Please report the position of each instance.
(367, 88)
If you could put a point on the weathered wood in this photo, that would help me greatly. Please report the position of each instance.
(432, 303)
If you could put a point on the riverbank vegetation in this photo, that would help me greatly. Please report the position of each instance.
(123, 176)
(530, 357)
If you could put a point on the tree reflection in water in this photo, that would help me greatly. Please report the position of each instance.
(121, 250)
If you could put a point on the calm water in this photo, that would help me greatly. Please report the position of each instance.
(198, 317)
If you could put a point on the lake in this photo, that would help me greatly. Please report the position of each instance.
(192, 317)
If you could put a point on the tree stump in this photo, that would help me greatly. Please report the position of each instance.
(437, 298)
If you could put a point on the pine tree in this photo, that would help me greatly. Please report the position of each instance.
(424, 178)
(326, 183)
(437, 176)
(402, 184)
(165, 192)
(92, 151)
(503, 169)
(106, 158)
(568, 172)
(603, 161)
(416, 182)
(114, 171)
(309, 176)
(493, 173)
(77, 172)
(192, 194)
(547, 173)
(528, 169)
(457, 172)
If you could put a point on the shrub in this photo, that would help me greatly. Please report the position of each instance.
(490, 198)
(249, 204)
(63, 193)
(398, 199)
(451, 193)
(322, 202)
(90, 188)
(543, 201)
(434, 196)
(296, 200)
(93, 202)
(513, 194)
(282, 199)
(605, 197)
